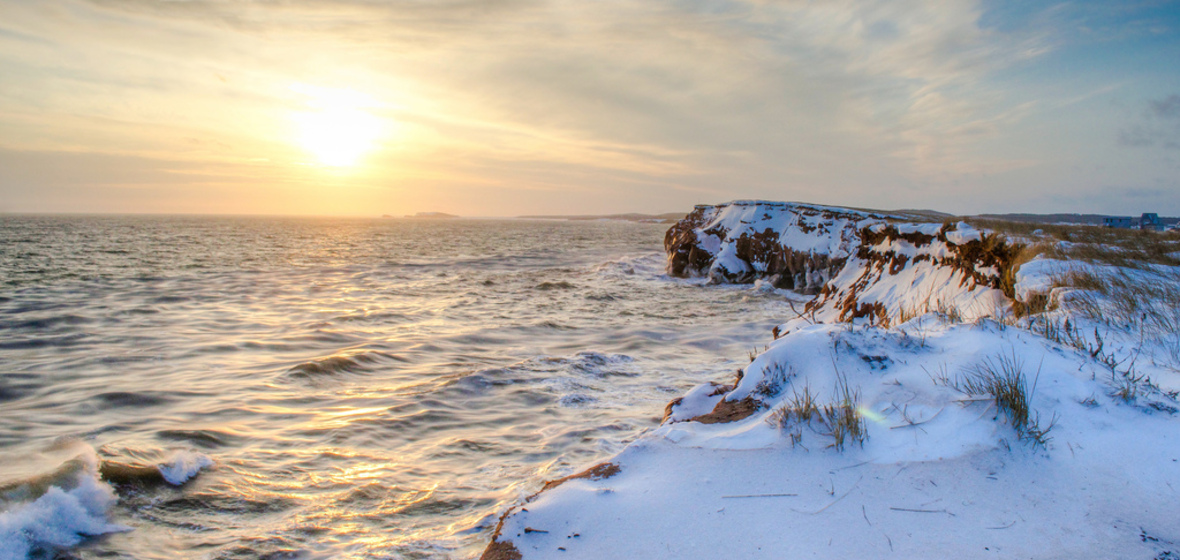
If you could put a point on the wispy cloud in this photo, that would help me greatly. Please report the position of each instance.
(671, 99)
(1166, 108)
(1158, 127)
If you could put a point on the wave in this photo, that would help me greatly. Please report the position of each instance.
(576, 400)
(333, 365)
(594, 365)
(199, 438)
(183, 465)
(48, 512)
(14, 386)
(649, 265)
(120, 399)
(44, 323)
(560, 285)
(180, 467)
(598, 364)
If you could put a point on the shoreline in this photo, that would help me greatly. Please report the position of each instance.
(866, 426)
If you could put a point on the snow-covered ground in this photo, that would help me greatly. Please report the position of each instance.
(918, 430)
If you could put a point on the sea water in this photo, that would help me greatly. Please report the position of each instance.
(259, 387)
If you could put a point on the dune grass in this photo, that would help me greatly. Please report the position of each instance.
(1002, 378)
(1096, 244)
(839, 420)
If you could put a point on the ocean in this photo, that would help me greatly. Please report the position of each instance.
(266, 387)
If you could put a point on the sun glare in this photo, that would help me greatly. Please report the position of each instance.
(338, 130)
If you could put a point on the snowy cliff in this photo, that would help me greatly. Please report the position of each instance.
(904, 270)
(795, 246)
(862, 264)
(906, 412)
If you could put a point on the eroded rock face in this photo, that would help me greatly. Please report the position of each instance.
(862, 266)
(794, 246)
(685, 255)
(905, 270)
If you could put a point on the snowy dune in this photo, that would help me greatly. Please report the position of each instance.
(882, 422)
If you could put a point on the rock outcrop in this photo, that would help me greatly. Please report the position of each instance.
(862, 265)
(905, 390)
(794, 246)
(905, 270)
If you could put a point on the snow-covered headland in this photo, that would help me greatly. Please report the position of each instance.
(949, 391)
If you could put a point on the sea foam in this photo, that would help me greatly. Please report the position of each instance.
(183, 465)
(72, 507)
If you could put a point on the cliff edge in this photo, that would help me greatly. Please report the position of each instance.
(907, 411)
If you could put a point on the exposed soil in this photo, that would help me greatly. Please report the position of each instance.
(970, 260)
(730, 411)
(597, 472)
(785, 268)
(500, 550)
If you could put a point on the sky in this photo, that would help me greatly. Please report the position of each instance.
(511, 107)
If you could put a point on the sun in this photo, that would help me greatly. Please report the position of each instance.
(338, 129)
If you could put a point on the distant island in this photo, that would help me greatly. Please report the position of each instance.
(432, 215)
(668, 218)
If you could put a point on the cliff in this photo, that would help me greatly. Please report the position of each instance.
(794, 246)
(861, 264)
(907, 411)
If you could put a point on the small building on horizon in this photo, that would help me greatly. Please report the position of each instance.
(1151, 220)
(1118, 222)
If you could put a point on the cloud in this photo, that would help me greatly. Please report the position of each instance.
(1168, 107)
(1160, 126)
(784, 99)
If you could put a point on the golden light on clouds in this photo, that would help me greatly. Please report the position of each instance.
(338, 128)
(509, 108)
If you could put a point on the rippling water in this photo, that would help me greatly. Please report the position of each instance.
(362, 388)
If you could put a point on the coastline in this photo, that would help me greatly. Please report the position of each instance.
(899, 453)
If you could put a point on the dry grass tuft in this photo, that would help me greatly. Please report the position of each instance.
(754, 352)
(839, 420)
(1148, 299)
(1002, 378)
(801, 408)
(774, 378)
(1120, 247)
(945, 309)
(844, 421)
(1126, 385)
(1145, 304)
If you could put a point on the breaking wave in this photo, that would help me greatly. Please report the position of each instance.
(183, 465)
(46, 513)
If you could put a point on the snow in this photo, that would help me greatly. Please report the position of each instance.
(805, 228)
(1039, 275)
(921, 284)
(940, 474)
(941, 471)
(700, 400)
(924, 229)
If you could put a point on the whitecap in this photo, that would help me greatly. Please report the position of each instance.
(73, 508)
(183, 465)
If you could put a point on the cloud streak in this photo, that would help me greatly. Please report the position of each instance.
(624, 104)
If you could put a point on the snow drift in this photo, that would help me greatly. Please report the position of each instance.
(905, 412)
(939, 473)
